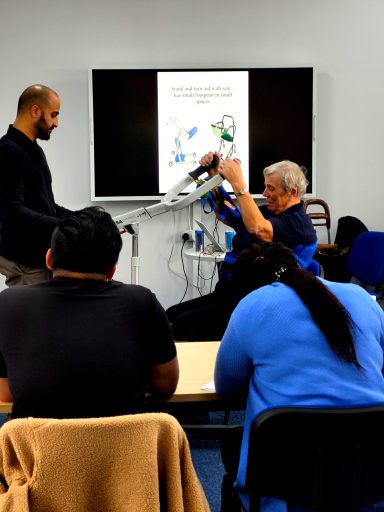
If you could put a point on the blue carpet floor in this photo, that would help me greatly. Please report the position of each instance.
(209, 468)
(3, 417)
(207, 460)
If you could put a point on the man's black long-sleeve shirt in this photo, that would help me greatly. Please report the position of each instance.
(28, 212)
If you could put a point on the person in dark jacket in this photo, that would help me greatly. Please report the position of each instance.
(28, 211)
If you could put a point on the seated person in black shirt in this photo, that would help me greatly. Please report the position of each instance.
(81, 344)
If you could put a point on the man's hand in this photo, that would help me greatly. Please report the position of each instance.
(5, 392)
(207, 160)
(231, 171)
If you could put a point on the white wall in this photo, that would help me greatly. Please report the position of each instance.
(55, 42)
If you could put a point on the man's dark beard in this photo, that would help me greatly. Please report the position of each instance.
(43, 130)
(42, 133)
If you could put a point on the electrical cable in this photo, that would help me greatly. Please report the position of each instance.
(215, 232)
(213, 275)
(210, 278)
(174, 272)
(198, 275)
(185, 274)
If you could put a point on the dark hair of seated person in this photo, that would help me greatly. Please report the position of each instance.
(87, 241)
(266, 262)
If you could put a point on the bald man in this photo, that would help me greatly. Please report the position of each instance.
(28, 212)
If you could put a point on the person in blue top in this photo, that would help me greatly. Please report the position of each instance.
(281, 219)
(296, 340)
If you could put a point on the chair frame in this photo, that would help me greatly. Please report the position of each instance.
(317, 217)
(322, 459)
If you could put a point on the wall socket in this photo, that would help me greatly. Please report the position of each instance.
(188, 235)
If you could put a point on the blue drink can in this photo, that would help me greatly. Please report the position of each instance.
(228, 240)
(199, 240)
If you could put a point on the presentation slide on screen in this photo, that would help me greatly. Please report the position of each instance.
(199, 112)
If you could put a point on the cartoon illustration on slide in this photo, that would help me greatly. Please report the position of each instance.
(183, 135)
(225, 130)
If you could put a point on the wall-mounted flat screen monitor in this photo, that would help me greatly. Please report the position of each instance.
(150, 127)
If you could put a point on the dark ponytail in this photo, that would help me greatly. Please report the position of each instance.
(329, 314)
(264, 263)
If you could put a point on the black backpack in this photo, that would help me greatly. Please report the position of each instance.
(334, 261)
(347, 230)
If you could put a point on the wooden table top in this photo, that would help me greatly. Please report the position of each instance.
(196, 362)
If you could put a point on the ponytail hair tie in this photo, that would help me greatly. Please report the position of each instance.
(279, 273)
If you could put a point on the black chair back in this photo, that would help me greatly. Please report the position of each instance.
(321, 459)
